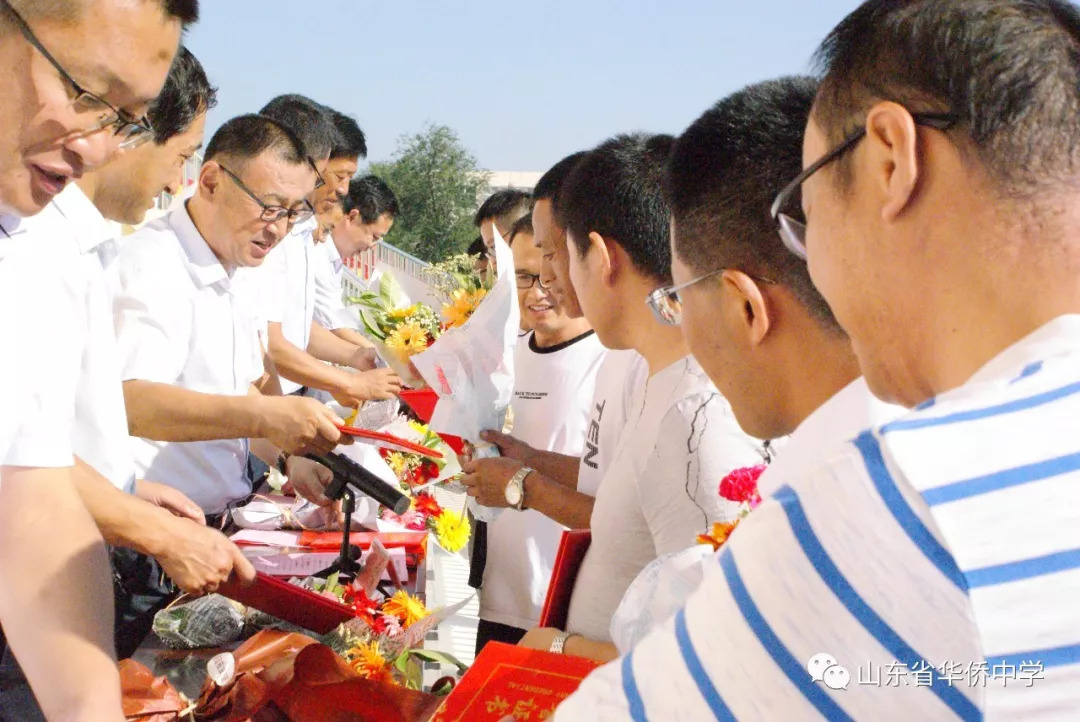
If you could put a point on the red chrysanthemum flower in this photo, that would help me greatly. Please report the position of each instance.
(426, 505)
(741, 485)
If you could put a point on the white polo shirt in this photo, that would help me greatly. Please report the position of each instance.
(552, 390)
(101, 430)
(44, 325)
(178, 322)
(282, 289)
(329, 267)
(934, 560)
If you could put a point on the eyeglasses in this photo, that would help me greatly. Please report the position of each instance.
(666, 303)
(273, 214)
(319, 180)
(131, 131)
(793, 232)
(525, 281)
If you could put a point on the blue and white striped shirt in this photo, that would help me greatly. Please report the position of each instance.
(932, 565)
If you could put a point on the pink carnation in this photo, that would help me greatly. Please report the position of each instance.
(741, 485)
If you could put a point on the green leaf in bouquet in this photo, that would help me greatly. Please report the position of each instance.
(373, 323)
(431, 655)
(391, 292)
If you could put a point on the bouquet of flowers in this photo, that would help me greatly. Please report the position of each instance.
(387, 633)
(460, 287)
(740, 486)
(399, 329)
(416, 476)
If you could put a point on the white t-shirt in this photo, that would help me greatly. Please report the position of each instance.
(179, 322)
(552, 388)
(933, 559)
(665, 584)
(622, 375)
(661, 489)
(282, 289)
(329, 308)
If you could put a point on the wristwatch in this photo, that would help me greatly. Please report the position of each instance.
(515, 488)
(558, 644)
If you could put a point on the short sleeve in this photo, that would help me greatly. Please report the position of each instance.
(699, 442)
(43, 318)
(152, 315)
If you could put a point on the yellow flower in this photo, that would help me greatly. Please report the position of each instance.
(397, 462)
(720, 533)
(408, 337)
(401, 314)
(405, 607)
(463, 305)
(418, 427)
(369, 662)
(452, 530)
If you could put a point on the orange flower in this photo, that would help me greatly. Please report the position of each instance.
(370, 663)
(426, 505)
(720, 533)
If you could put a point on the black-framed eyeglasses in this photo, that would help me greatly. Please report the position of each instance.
(319, 180)
(131, 131)
(792, 231)
(666, 303)
(526, 280)
(271, 213)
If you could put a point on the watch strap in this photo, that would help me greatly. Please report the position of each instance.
(558, 644)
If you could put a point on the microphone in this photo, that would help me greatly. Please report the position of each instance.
(347, 471)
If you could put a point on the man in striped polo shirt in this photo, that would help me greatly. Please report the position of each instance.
(929, 569)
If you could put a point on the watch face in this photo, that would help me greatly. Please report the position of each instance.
(513, 494)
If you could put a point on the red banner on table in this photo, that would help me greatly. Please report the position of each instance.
(513, 681)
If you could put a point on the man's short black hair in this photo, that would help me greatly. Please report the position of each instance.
(1008, 69)
(248, 136)
(616, 190)
(372, 197)
(349, 140)
(309, 121)
(187, 94)
(723, 174)
(549, 185)
(478, 247)
(521, 225)
(509, 201)
(186, 11)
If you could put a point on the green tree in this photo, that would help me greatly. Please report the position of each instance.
(437, 183)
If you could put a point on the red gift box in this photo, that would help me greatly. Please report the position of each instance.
(513, 681)
(572, 548)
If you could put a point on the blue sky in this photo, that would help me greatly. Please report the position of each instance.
(523, 83)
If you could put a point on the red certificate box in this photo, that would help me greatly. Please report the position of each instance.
(507, 680)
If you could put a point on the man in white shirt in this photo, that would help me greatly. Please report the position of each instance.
(363, 218)
(956, 280)
(659, 491)
(554, 374)
(190, 351)
(46, 139)
(749, 311)
(562, 486)
(301, 349)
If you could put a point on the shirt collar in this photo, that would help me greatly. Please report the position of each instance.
(203, 264)
(92, 229)
(332, 252)
(1054, 338)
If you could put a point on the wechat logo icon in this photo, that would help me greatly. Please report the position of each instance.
(823, 668)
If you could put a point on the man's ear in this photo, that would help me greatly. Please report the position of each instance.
(752, 306)
(210, 176)
(605, 257)
(353, 215)
(892, 151)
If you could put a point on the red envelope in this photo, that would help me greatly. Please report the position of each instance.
(572, 548)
